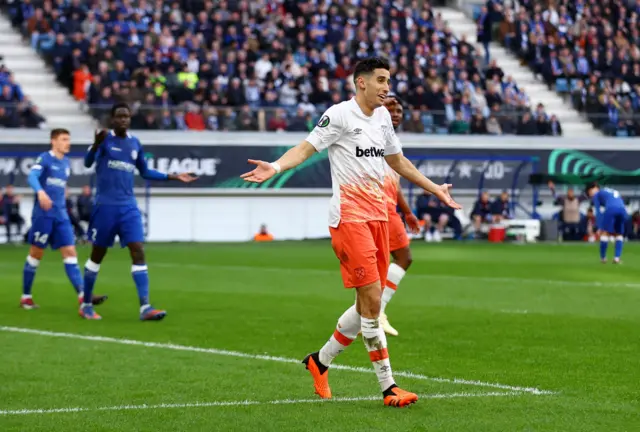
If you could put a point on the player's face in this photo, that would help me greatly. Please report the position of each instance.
(396, 111)
(376, 87)
(61, 143)
(591, 192)
(121, 119)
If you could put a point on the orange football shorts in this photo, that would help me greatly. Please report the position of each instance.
(398, 238)
(363, 251)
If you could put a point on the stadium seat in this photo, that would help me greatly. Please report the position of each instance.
(562, 85)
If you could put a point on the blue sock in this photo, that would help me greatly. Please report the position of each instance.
(604, 243)
(619, 243)
(73, 273)
(91, 270)
(29, 274)
(140, 275)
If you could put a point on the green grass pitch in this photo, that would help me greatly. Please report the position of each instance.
(242, 316)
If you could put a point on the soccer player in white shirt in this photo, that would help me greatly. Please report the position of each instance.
(360, 137)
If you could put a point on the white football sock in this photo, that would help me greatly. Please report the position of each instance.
(376, 343)
(394, 276)
(345, 333)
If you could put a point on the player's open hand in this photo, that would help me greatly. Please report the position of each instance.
(44, 201)
(99, 137)
(412, 223)
(263, 172)
(442, 193)
(186, 177)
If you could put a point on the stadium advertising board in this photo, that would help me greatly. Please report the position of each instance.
(219, 166)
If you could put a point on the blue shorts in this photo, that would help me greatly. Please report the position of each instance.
(107, 221)
(614, 221)
(49, 231)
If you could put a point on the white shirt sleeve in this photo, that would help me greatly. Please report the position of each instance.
(391, 140)
(328, 130)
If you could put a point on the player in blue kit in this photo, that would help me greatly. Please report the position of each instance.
(50, 225)
(612, 222)
(117, 155)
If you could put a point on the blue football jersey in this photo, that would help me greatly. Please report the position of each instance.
(116, 162)
(608, 198)
(51, 174)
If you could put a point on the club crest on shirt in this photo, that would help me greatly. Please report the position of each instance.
(324, 121)
(134, 154)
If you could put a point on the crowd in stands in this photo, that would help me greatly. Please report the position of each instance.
(587, 50)
(16, 109)
(274, 65)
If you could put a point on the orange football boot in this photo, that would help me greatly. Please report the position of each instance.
(320, 374)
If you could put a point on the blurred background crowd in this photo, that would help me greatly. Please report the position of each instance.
(274, 65)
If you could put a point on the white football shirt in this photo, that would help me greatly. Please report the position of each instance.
(357, 145)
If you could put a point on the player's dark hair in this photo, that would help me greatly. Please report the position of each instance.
(590, 186)
(55, 133)
(368, 65)
(119, 105)
(398, 99)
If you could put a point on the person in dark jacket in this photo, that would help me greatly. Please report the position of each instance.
(10, 208)
(84, 204)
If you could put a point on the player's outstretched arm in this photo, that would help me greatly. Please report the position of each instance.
(98, 139)
(151, 174)
(406, 169)
(291, 159)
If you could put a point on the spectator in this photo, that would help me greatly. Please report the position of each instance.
(501, 208)
(194, 119)
(484, 28)
(299, 122)
(414, 123)
(570, 216)
(459, 126)
(635, 225)
(263, 235)
(429, 211)
(278, 122)
(554, 127)
(38, 27)
(245, 120)
(478, 125)
(84, 204)
(79, 231)
(542, 126)
(436, 218)
(11, 210)
(493, 126)
(527, 126)
(481, 212)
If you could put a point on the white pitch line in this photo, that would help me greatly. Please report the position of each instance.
(242, 403)
(214, 351)
(411, 275)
